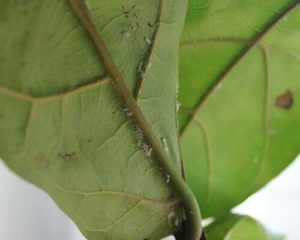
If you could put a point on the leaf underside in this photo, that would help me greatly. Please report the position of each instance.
(239, 95)
(64, 128)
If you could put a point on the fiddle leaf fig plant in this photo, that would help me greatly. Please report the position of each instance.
(96, 97)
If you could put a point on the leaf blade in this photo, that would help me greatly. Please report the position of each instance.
(236, 119)
(85, 141)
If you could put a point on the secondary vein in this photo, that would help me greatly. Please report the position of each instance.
(33, 99)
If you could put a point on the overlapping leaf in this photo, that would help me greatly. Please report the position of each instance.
(239, 95)
(236, 227)
(64, 128)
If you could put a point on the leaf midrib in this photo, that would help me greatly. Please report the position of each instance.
(189, 201)
(235, 61)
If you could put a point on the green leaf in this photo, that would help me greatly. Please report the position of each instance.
(239, 92)
(87, 96)
(236, 227)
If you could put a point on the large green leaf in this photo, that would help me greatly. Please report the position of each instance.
(235, 227)
(239, 92)
(96, 127)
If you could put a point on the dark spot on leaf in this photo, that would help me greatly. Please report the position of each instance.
(24, 12)
(42, 161)
(286, 100)
(126, 12)
(2, 60)
(67, 155)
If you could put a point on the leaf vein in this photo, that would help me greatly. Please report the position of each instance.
(40, 100)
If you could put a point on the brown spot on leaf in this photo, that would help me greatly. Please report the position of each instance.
(42, 161)
(286, 100)
(126, 12)
(24, 12)
(67, 155)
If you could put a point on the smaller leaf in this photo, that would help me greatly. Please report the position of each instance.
(237, 227)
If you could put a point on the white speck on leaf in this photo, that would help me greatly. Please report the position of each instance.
(141, 142)
(147, 149)
(177, 106)
(168, 178)
(147, 40)
(127, 112)
(165, 144)
(177, 89)
(140, 69)
(173, 219)
(126, 34)
(140, 135)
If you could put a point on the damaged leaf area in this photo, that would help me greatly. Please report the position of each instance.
(285, 100)
(239, 93)
(64, 123)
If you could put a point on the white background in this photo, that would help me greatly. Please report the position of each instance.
(27, 213)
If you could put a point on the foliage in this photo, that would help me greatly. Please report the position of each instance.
(239, 91)
(88, 109)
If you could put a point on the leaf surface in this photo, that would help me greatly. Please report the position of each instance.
(63, 125)
(236, 227)
(239, 95)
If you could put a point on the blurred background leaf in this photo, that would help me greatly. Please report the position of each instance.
(239, 96)
(237, 227)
